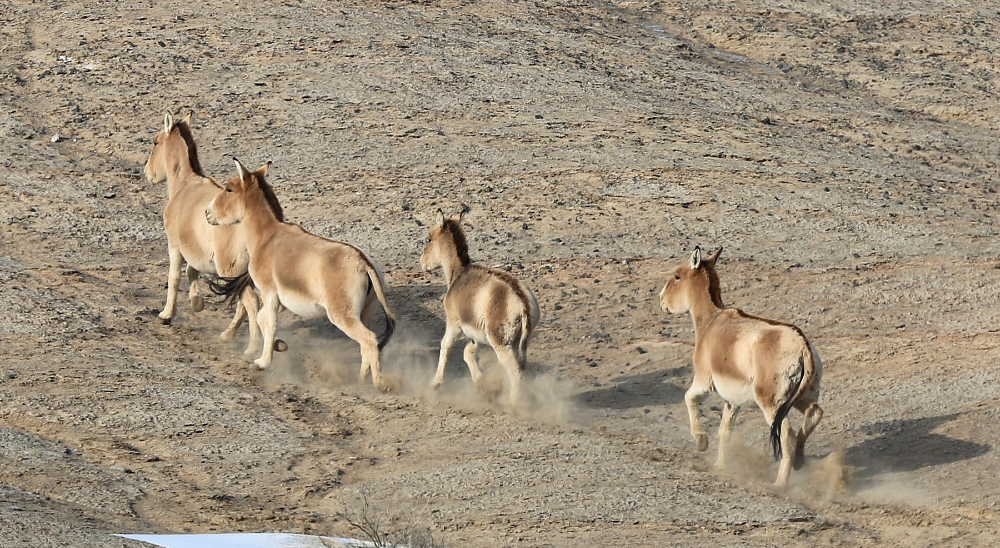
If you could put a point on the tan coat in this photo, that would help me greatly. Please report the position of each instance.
(205, 248)
(486, 305)
(746, 360)
(309, 275)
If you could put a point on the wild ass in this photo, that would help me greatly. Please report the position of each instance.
(205, 248)
(746, 360)
(309, 275)
(487, 305)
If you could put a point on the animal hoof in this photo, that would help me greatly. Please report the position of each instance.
(197, 304)
(280, 345)
(260, 365)
(226, 336)
(163, 321)
(702, 441)
(387, 383)
(798, 461)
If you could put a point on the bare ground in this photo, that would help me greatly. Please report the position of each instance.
(844, 153)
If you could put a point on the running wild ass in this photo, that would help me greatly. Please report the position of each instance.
(309, 275)
(487, 305)
(746, 360)
(219, 250)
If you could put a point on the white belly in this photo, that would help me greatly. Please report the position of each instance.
(302, 307)
(735, 392)
(206, 267)
(475, 334)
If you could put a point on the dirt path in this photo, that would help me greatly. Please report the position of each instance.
(844, 156)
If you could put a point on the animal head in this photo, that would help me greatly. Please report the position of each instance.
(690, 281)
(230, 206)
(446, 239)
(171, 146)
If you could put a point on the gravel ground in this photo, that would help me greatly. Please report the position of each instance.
(843, 154)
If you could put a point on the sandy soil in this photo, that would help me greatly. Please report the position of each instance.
(843, 153)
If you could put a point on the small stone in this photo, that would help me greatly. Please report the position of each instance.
(56, 138)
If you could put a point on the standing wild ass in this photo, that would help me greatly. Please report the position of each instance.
(746, 360)
(205, 248)
(307, 274)
(487, 305)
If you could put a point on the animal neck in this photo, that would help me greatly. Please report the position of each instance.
(703, 310)
(455, 255)
(179, 169)
(258, 219)
(453, 267)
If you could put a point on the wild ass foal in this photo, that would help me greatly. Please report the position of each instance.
(205, 248)
(487, 305)
(746, 360)
(307, 274)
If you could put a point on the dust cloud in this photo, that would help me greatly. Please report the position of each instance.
(319, 356)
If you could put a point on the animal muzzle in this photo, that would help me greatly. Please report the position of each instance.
(210, 217)
(151, 177)
(664, 302)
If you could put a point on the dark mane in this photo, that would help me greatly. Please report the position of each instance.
(714, 287)
(270, 198)
(741, 314)
(185, 132)
(452, 227)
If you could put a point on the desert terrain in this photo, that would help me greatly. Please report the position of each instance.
(844, 154)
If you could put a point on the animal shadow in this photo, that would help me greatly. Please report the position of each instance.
(908, 444)
(629, 392)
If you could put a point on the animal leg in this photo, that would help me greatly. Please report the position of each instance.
(692, 398)
(451, 334)
(230, 332)
(355, 329)
(368, 311)
(729, 414)
(267, 319)
(367, 316)
(787, 454)
(173, 278)
(813, 414)
(509, 360)
(470, 360)
(197, 303)
(249, 302)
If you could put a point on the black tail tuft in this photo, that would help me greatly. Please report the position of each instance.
(230, 288)
(783, 410)
(390, 327)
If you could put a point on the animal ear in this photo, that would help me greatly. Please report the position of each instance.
(168, 123)
(696, 258)
(440, 218)
(241, 171)
(187, 117)
(262, 170)
(458, 217)
(714, 257)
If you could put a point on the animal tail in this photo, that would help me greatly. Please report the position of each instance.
(806, 372)
(230, 288)
(528, 324)
(375, 279)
